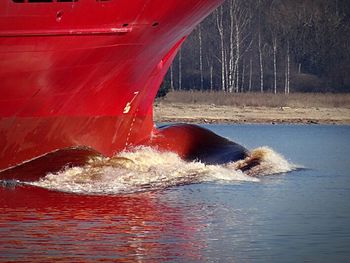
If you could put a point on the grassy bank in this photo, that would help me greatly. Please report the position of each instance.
(254, 99)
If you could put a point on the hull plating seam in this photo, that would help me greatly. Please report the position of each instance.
(67, 32)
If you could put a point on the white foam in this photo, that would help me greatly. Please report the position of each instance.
(270, 162)
(145, 168)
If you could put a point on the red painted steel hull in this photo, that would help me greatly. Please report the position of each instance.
(85, 73)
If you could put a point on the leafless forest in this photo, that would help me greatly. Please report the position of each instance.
(257, 99)
(275, 46)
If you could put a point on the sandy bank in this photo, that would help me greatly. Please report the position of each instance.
(203, 113)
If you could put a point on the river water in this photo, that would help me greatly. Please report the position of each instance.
(146, 206)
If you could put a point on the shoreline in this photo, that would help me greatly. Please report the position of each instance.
(222, 114)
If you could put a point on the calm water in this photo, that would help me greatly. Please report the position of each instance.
(303, 215)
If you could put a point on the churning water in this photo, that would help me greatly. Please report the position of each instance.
(146, 169)
(144, 205)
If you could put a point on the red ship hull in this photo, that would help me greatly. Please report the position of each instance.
(85, 73)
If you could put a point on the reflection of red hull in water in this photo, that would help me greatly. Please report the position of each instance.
(127, 228)
(85, 73)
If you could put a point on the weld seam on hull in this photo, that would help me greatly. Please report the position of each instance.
(64, 32)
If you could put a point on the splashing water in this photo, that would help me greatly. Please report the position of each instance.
(145, 169)
(263, 161)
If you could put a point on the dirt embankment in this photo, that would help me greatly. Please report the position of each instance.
(219, 107)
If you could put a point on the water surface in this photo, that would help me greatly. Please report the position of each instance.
(301, 215)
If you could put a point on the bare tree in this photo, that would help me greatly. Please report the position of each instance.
(200, 54)
(274, 44)
(238, 49)
(180, 69)
(211, 77)
(250, 73)
(310, 37)
(243, 76)
(220, 27)
(172, 78)
(260, 50)
(261, 64)
(287, 71)
(238, 22)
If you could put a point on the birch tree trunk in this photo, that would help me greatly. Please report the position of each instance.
(231, 69)
(200, 55)
(172, 78)
(219, 24)
(288, 67)
(180, 69)
(226, 71)
(274, 64)
(286, 77)
(238, 41)
(287, 71)
(250, 73)
(211, 77)
(260, 51)
(243, 76)
(261, 64)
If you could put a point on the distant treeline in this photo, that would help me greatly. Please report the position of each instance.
(268, 46)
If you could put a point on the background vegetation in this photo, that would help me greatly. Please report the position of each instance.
(257, 99)
(277, 46)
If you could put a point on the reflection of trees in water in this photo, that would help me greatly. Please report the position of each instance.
(41, 225)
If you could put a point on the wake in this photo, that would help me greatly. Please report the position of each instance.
(146, 169)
